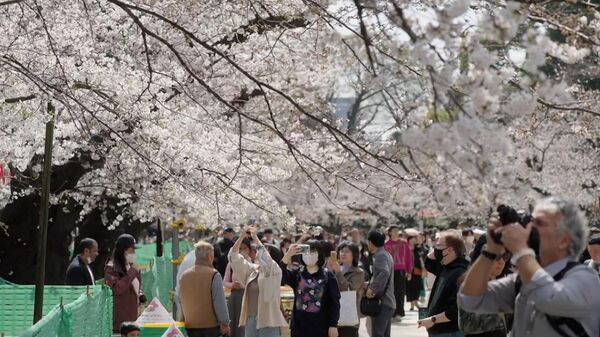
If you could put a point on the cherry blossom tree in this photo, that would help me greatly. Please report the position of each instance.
(221, 110)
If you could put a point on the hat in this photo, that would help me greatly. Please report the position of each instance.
(126, 241)
(594, 239)
(478, 231)
(229, 230)
(411, 232)
(128, 327)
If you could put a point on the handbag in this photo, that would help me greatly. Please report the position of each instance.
(348, 309)
(372, 306)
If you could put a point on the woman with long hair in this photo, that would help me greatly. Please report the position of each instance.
(122, 274)
(415, 284)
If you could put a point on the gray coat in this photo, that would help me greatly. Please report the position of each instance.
(383, 273)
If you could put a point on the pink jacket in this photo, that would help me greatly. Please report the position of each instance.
(400, 252)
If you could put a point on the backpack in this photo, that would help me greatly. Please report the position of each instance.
(555, 321)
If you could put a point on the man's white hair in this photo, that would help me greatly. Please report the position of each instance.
(571, 221)
(203, 250)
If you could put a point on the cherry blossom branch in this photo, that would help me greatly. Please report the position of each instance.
(259, 26)
(365, 36)
(20, 99)
(9, 2)
(332, 130)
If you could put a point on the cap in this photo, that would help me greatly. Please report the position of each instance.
(126, 241)
(594, 239)
(229, 230)
(127, 327)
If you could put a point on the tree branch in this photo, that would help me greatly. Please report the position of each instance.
(259, 26)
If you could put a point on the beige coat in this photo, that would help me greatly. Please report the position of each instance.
(267, 271)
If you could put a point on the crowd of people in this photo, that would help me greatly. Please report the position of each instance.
(484, 286)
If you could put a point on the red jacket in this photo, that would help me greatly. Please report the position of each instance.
(400, 252)
(125, 297)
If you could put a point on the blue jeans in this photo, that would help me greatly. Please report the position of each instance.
(252, 331)
(448, 334)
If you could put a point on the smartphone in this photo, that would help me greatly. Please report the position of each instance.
(303, 249)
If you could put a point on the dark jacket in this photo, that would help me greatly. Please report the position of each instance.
(443, 293)
(78, 273)
(125, 297)
(222, 248)
(316, 302)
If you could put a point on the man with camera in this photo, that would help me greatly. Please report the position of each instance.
(552, 297)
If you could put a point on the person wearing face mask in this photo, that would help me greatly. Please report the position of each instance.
(79, 272)
(316, 309)
(122, 274)
(260, 307)
(232, 282)
(447, 263)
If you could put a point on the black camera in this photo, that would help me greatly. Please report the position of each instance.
(508, 215)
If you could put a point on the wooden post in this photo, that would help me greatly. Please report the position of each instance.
(87, 290)
(43, 220)
(175, 253)
(159, 239)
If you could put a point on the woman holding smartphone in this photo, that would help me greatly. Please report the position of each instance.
(316, 307)
(349, 276)
(260, 314)
(234, 301)
(122, 275)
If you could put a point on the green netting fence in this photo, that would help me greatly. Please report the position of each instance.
(157, 273)
(82, 314)
(158, 280)
(145, 253)
(16, 304)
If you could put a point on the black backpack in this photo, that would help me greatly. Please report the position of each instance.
(555, 321)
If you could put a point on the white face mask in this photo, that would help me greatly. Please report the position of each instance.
(310, 259)
(130, 258)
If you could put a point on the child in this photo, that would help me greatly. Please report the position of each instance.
(316, 294)
(130, 329)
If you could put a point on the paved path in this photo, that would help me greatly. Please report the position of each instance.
(406, 328)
